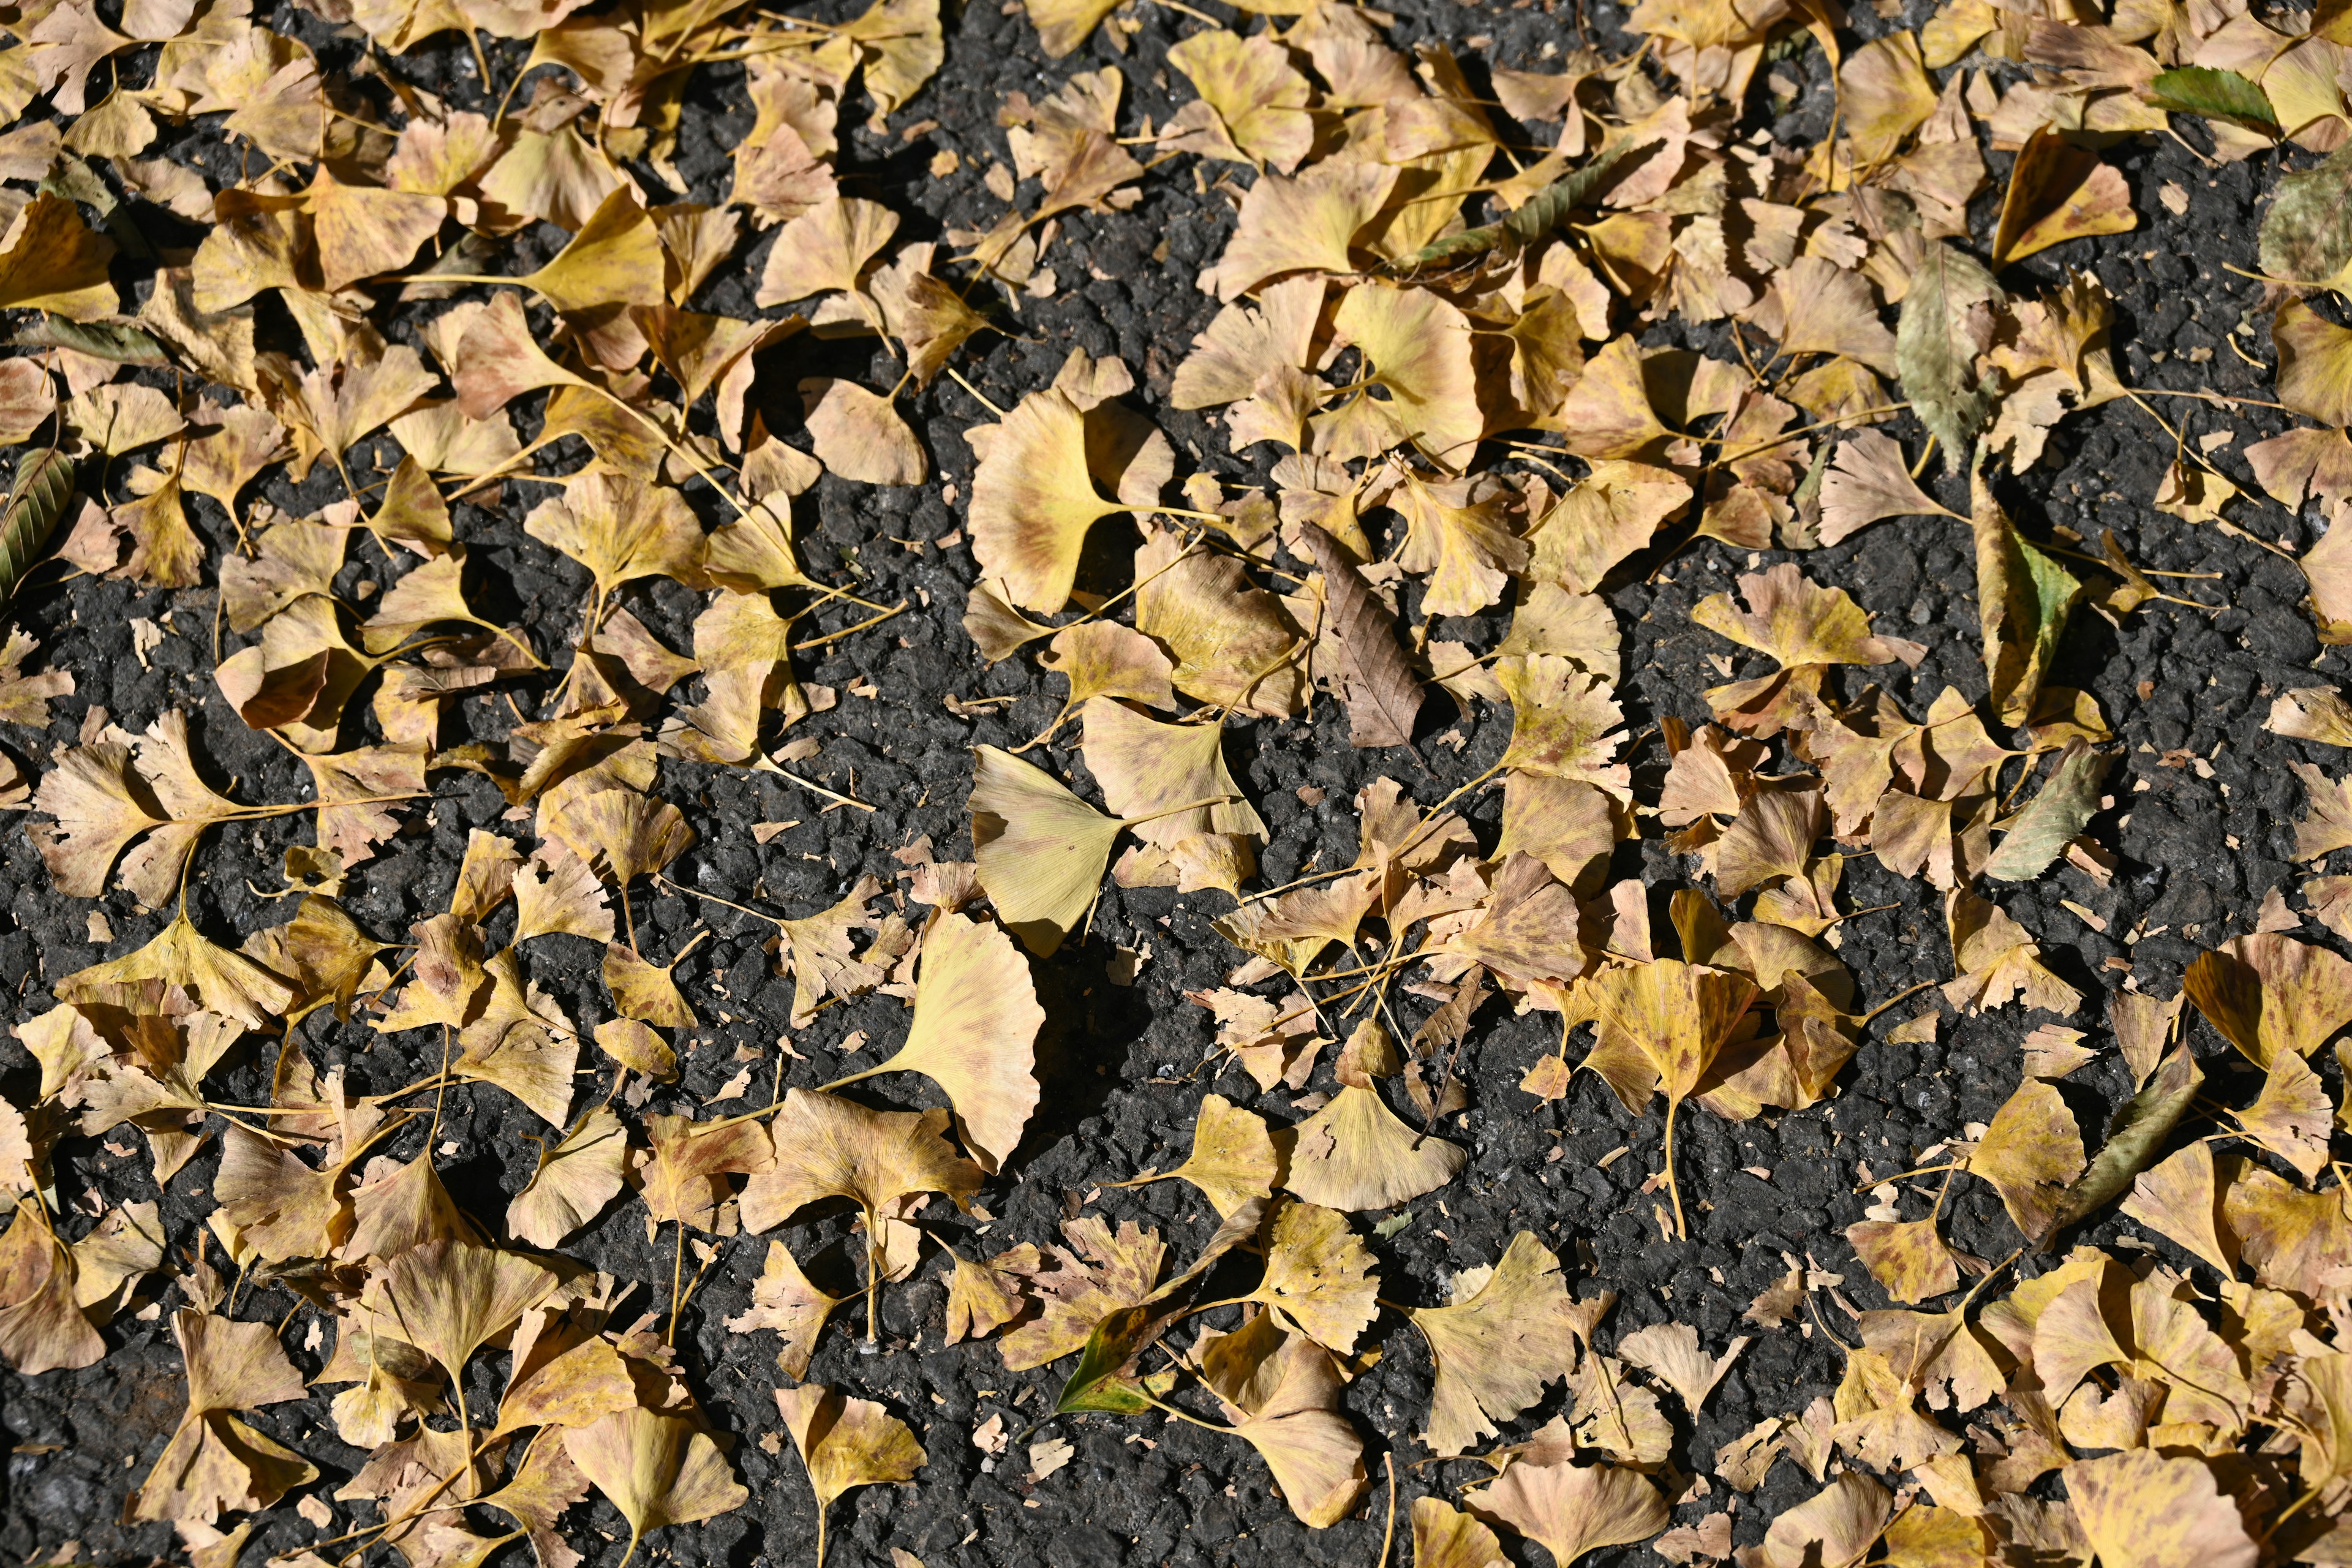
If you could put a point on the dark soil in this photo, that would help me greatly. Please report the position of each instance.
(2202, 813)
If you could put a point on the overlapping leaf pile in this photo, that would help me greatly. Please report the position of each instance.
(1479, 385)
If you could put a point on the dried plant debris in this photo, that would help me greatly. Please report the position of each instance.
(418, 412)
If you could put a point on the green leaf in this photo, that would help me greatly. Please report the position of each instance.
(44, 480)
(2216, 94)
(2041, 833)
(2134, 1140)
(1099, 1381)
(2023, 597)
(1936, 370)
(1534, 218)
(119, 341)
(2307, 236)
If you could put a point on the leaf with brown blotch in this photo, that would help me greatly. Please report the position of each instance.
(1674, 1018)
(844, 1443)
(574, 1182)
(497, 361)
(2058, 191)
(1041, 850)
(829, 1147)
(1102, 658)
(1998, 960)
(2031, 1152)
(1252, 103)
(216, 980)
(2141, 1509)
(683, 1172)
(1319, 1276)
(974, 1034)
(823, 962)
(1076, 1289)
(1505, 1333)
(1564, 723)
(1799, 622)
(1671, 1353)
(783, 1300)
(1235, 1159)
(1770, 839)
(1866, 481)
(622, 529)
(1357, 645)
(214, 1462)
(42, 1325)
(1569, 1508)
(658, 1470)
(1355, 1153)
(1232, 642)
(860, 435)
(1908, 1259)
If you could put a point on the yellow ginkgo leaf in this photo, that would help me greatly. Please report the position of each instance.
(2058, 191)
(825, 249)
(783, 1300)
(845, 1443)
(365, 231)
(1355, 1153)
(1506, 1332)
(1033, 498)
(1041, 850)
(974, 1034)
(620, 529)
(658, 1470)
(574, 1181)
(1235, 1158)
(448, 1298)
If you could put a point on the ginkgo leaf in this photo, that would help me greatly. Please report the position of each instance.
(1235, 1158)
(1078, 1290)
(1445, 1537)
(50, 261)
(447, 1298)
(1041, 850)
(1799, 622)
(1033, 498)
(2030, 1153)
(1291, 1416)
(42, 1326)
(1908, 1259)
(974, 1034)
(1310, 224)
(2269, 993)
(1564, 723)
(1319, 1275)
(2150, 1511)
(683, 1173)
(364, 231)
(1417, 347)
(1867, 480)
(658, 1470)
(1355, 1153)
(1998, 960)
(214, 979)
(574, 1182)
(1571, 1509)
(1168, 782)
(860, 435)
(845, 1443)
(645, 991)
(214, 1461)
(1506, 1332)
(497, 361)
(2058, 191)
(1671, 1352)
(825, 249)
(783, 1300)
(621, 529)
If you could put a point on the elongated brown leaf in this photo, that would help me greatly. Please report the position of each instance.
(44, 481)
(1358, 644)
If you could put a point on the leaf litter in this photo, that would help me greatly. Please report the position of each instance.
(1389, 348)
